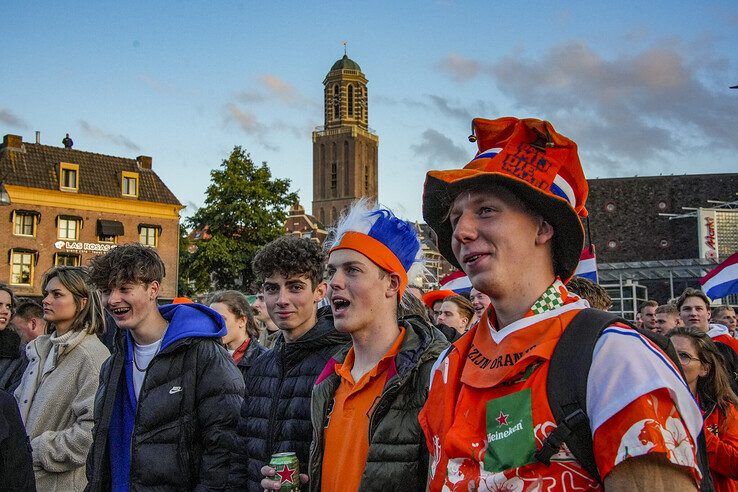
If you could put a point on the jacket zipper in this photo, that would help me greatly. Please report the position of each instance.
(273, 407)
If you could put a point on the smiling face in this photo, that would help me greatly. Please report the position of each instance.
(132, 305)
(360, 292)
(292, 303)
(695, 313)
(479, 301)
(498, 243)
(59, 305)
(5, 309)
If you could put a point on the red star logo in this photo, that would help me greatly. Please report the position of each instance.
(287, 474)
(502, 419)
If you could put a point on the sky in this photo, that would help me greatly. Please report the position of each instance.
(642, 87)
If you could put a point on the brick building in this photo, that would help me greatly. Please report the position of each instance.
(68, 205)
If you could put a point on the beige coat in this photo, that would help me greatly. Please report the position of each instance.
(56, 398)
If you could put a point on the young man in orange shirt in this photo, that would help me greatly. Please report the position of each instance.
(510, 220)
(365, 404)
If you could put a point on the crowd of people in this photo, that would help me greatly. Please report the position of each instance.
(362, 380)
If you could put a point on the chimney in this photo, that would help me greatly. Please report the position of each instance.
(12, 141)
(38, 137)
(144, 161)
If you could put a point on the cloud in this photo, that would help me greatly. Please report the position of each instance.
(164, 87)
(439, 150)
(443, 105)
(270, 87)
(250, 125)
(460, 68)
(11, 119)
(643, 107)
(119, 140)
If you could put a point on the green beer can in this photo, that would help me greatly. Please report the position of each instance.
(287, 468)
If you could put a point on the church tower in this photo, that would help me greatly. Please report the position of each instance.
(345, 148)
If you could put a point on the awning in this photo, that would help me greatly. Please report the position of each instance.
(109, 228)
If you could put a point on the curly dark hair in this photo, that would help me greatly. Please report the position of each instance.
(127, 263)
(290, 256)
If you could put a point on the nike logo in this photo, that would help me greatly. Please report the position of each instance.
(175, 389)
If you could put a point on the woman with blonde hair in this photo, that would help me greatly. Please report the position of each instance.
(57, 391)
(707, 379)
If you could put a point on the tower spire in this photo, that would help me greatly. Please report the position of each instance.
(345, 48)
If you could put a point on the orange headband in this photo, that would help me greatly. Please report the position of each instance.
(376, 251)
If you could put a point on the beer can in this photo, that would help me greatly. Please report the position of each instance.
(287, 468)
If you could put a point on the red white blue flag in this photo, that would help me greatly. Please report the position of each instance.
(457, 281)
(723, 279)
(587, 267)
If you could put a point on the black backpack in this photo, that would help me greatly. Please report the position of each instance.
(730, 363)
(566, 387)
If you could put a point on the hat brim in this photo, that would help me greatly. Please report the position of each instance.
(442, 187)
(432, 297)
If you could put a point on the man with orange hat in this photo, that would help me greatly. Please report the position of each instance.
(433, 301)
(365, 404)
(510, 220)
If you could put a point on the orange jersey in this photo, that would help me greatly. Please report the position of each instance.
(487, 410)
(722, 449)
(347, 434)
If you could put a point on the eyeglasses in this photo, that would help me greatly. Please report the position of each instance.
(685, 358)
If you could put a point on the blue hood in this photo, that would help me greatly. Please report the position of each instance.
(191, 321)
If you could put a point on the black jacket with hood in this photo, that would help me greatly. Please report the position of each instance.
(184, 419)
(275, 416)
(13, 360)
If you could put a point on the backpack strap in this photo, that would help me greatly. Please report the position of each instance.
(566, 388)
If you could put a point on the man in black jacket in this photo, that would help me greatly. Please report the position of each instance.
(275, 416)
(167, 405)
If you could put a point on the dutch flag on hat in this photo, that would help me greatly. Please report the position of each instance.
(457, 281)
(587, 267)
(722, 280)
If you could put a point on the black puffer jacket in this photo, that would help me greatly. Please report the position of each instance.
(13, 361)
(16, 464)
(185, 417)
(275, 416)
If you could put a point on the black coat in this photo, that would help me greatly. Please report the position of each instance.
(16, 464)
(253, 351)
(275, 416)
(181, 440)
(13, 360)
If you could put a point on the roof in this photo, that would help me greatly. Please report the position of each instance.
(345, 63)
(37, 166)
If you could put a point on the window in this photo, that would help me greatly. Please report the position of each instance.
(24, 222)
(66, 259)
(148, 234)
(22, 263)
(68, 177)
(351, 100)
(129, 184)
(68, 227)
(336, 102)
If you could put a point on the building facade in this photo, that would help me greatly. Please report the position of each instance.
(68, 205)
(345, 148)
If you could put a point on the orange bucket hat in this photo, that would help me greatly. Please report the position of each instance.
(528, 157)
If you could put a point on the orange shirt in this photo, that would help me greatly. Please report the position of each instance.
(347, 435)
(722, 449)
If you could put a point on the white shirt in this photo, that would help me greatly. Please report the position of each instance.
(143, 354)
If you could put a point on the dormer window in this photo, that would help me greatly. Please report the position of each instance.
(68, 177)
(129, 184)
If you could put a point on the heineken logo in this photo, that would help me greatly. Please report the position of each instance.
(510, 438)
(287, 474)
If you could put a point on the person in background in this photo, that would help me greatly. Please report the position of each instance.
(12, 360)
(269, 331)
(29, 320)
(725, 315)
(57, 393)
(480, 301)
(16, 464)
(242, 334)
(593, 293)
(411, 305)
(433, 300)
(708, 382)
(667, 318)
(648, 314)
(694, 309)
(416, 291)
(456, 313)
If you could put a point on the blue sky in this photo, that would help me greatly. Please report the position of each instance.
(641, 87)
